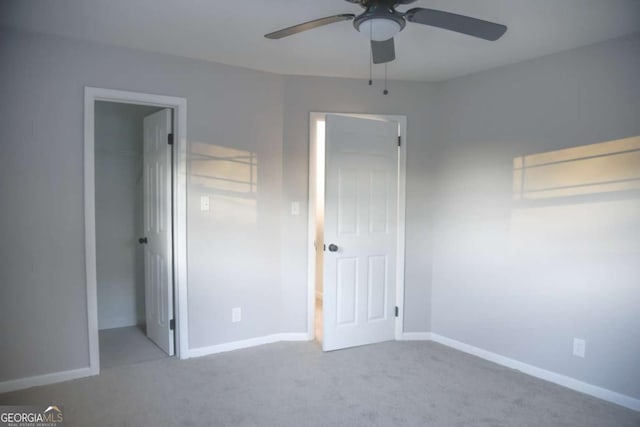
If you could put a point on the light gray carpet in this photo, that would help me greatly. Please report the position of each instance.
(126, 346)
(295, 384)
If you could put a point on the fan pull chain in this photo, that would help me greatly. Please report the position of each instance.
(370, 56)
(385, 91)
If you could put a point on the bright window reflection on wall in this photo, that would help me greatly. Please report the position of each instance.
(229, 177)
(605, 167)
(575, 208)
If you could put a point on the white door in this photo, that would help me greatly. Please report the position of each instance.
(360, 234)
(158, 273)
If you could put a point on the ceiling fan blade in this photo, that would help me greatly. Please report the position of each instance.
(458, 23)
(309, 25)
(382, 52)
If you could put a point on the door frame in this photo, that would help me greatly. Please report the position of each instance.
(401, 208)
(179, 106)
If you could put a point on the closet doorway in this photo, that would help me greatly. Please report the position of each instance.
(135, 227)
(130, 308)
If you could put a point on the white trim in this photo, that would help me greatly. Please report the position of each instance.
(38, 380)
(534, 371)
(179, 105)
(251, 342)
(402, 203)
(415, 336)
(90, 232)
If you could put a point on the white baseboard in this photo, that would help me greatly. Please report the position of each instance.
(415, 336)
(534, 371)
(54, 377)
(563, 380)
(252, 342)
(294, 336)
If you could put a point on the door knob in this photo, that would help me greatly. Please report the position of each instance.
(333, 248)
(142, 240)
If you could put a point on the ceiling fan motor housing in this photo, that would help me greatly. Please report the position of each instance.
(382, 13)
(365, 3)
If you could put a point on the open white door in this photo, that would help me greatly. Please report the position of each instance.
(360, 217)
(158, 262)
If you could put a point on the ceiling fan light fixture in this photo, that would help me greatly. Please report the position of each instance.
(379, 28)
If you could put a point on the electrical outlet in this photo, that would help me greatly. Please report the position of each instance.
(236, 314)
(204, 203)
(579, 347)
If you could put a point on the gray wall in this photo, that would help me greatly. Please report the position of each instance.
(119, 213)
(237, 256)
(303, 95)
(524, 279)
(249, 252)
(234, 256)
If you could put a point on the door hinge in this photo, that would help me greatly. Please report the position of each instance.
(397, 311)
(172, 324)
(399, 140)
(170, 139)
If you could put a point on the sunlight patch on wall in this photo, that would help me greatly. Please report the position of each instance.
(605, 167)
(568, 214)
(229, 177)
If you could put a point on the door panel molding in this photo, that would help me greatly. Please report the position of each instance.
(156, 159)
(314, 158)
(179, 105)
(366, 147)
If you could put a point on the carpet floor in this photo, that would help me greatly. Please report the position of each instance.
(295, 384)
(126, 346)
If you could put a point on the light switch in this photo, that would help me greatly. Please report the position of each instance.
(295, 208)
(204, 203)
(236, 314)
(579, 347)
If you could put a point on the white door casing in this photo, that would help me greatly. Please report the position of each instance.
(360, 218)
(158, 263)
(179, 107)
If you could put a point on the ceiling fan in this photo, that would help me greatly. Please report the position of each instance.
(381, 22)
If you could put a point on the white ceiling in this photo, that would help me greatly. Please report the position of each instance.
(231, 32)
